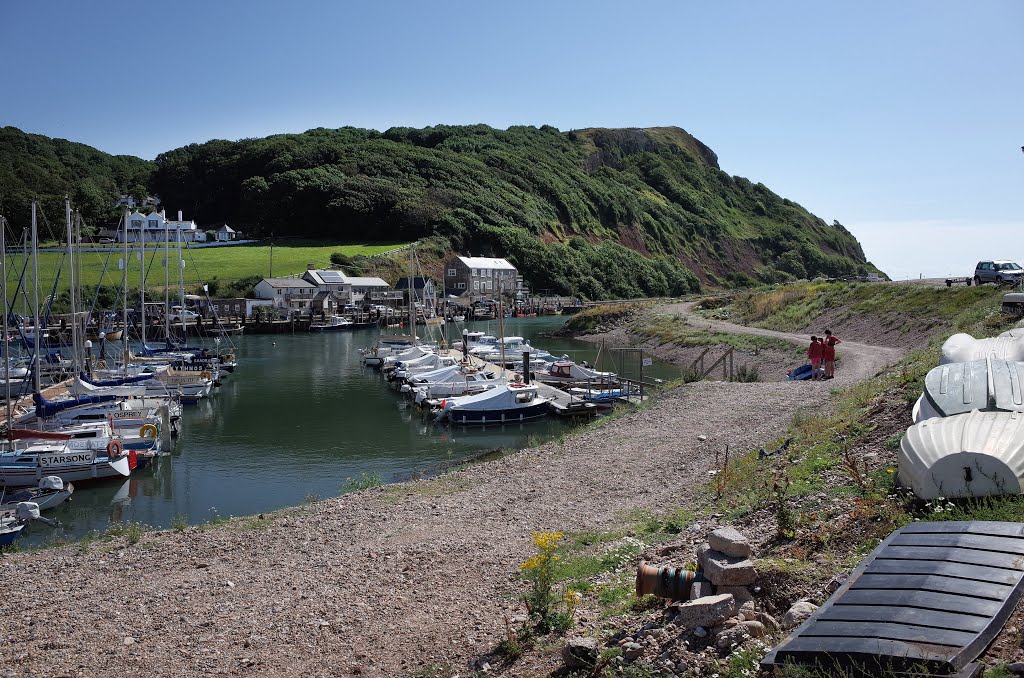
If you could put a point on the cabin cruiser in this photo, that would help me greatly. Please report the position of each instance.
(507, 403)
(567, 372)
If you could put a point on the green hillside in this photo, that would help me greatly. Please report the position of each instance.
(598, 212)
(36, 167)
(620, 212)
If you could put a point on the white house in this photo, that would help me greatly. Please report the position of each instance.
(289, 293)
(225, 233)
(156, 227)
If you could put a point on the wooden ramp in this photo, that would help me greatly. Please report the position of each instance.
(931, 597)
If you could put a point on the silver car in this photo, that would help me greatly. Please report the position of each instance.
(998, 271)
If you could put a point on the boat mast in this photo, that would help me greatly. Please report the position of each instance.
(501, 333)
(124, 298)
(412, 296)
(181, 286)
(142, 287)
(35, 308)
(71, 282)
(6, 346)
(167, 284)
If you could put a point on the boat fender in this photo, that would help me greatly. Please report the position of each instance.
(148, 431)
(51, 483)
(114, 448)
(517, 384)
(204, 375)
(26, 510)
(443, 403)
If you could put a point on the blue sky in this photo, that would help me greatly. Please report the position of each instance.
(903, 120)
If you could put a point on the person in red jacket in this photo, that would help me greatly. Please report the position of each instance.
(814, 352)
(828, 353)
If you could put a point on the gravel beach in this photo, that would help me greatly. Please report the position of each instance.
(388, 581)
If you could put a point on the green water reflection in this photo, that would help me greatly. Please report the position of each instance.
(300, 417)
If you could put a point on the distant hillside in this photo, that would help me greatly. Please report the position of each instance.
(33, 166)
(597, 212)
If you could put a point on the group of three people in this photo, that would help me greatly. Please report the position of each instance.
(822, 354)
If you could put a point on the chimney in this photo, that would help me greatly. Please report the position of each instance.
(179, 215)
(163, 213)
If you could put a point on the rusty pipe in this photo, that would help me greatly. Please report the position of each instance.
(665, 582)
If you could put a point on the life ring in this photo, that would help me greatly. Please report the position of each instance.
(149, 429)
(204, 375)
(114, 448)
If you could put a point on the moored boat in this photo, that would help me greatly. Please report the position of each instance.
(507, 403)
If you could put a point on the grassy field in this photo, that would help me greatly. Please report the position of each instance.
(224, 264)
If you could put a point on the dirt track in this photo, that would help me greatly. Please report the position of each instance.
(383, 582)
(859, 361)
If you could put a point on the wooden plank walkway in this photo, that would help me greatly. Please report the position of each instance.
(932, 594)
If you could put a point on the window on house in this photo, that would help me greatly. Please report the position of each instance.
(280, 292)
(476, 284)
(452, 273)
(460, 286)
(237, 307)
(136, 223)
(153, 223)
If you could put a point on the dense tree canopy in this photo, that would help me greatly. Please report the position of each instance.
(36, 167)
(600, 212)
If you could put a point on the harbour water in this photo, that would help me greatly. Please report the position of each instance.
(303, 419)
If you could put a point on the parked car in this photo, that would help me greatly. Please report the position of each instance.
(179, 314)
(998, 271)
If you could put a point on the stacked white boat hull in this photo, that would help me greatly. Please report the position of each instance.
(969, 437)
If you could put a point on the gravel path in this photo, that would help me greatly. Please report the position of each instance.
(857, 361)
(383, 582)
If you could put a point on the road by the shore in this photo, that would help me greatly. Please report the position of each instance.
(388, 581)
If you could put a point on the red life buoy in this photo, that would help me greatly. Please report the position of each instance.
(114, 448)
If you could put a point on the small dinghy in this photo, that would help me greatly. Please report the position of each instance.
(13, 523)
(963, 348)
(51, 491)
(967, 455)
(987, 385)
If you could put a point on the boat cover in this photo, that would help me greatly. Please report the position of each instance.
(928, 600)
(1014, 333)
(128, 391)
(967, 455)
(46, 408)
(504, 397)
(120, 381)
(958, 388)
(962, 348)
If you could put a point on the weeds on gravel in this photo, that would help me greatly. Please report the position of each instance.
(746, 374)
(133, 531)
(179, 523)
(365, 481)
